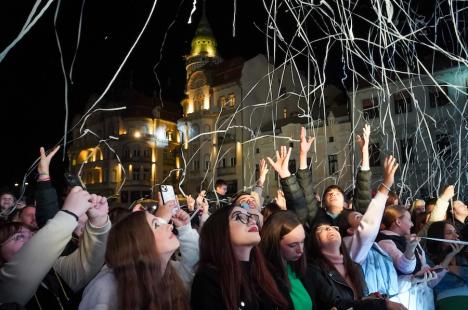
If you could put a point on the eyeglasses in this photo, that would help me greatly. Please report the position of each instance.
(244, 218)
(19, 236)
(326, 228)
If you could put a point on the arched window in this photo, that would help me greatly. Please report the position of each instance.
(222, 102)
(195, 130)
(232, 100)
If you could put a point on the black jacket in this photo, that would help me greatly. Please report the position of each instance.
(331, 290)
(300, 197)
(206, 293)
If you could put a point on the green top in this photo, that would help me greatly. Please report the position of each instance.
(300, 298)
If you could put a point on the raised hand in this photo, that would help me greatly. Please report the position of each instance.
(263, 170)
(165, 211)
(390, 167)
(180, 218)
(448, 193)
(201, 201)
(44, 162)
(306, 142)
(190, 203)
(280, 200)
(363, 142)
(412, 242)
(281, 165)
(97, 214)
(78, 201)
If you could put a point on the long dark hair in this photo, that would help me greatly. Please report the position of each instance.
(436, 251)
(352, 270)
(216, 252)
(131, 253)
(278, 225)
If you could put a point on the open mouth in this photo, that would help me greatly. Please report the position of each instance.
(253, 229)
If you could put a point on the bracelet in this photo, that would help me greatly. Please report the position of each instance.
(71, 213)
(43, 180)
(386, 187)
(43, 173)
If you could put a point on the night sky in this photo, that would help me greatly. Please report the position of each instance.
(31, 78)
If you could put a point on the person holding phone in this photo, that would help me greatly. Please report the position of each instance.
(139, 251)
(452, 291)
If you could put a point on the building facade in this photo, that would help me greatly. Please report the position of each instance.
(238, 111)
(423, 122)
(141, 149)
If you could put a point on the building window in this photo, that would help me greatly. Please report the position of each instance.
(147, 152)
(126, 153)
(146, 174)
(170, 135)
(406, 148)
(196, 165)
(403, 103)
(291, 144)
(135, 195)
(332, 164)
(136, 173)
(136, 153)
(207, 161)
(374, 155)
(222, 102)
(223, 163)
(257, 151)
(257, 171)
(309, 161)
(232, 100)
(285, 112)
(331, 139)
(370, 108)
(437, 97)
(233, 161)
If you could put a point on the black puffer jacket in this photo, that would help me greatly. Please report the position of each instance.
(333, 291)
(300, 197)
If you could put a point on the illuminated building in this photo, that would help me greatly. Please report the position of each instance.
(148, 147)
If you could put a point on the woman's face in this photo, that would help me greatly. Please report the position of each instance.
(13, 244)
(292, 244)
(328, 236)
(405, 224)
(243, 227)
(166, 241)
(450, 233)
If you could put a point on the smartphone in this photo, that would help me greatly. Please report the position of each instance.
(167, 193)
(438, 269)
(72, 180)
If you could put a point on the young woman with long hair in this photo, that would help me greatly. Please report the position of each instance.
(283, 243)
(232, 272)
(139, 272)
(338, 281)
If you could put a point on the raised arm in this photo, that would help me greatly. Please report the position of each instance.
(293, 193)
(20, 277)
(304, 176)
(365, 234)
(78, 268)
(45, 195)
(363, 180)
(258, 188)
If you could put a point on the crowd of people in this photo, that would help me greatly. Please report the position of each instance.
(298, 251)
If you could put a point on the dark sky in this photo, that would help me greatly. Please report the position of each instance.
(32, 82)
